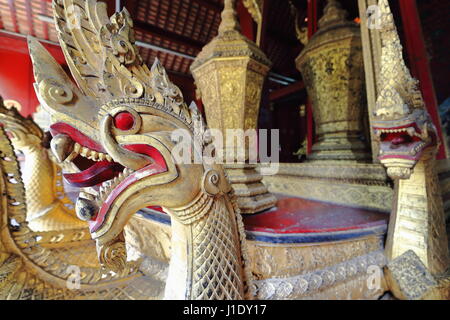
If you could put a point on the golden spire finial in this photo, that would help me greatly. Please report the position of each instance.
(333, 13)
(399, 90)
(229, 20)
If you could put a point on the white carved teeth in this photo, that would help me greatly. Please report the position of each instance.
(411, 131)
(88, 153)
(108, 186)
(84, 151)
(93, 155)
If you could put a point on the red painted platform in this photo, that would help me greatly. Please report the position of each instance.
(296, 215)
(296, 220)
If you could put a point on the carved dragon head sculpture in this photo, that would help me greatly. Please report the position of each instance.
(116, 127)
(402, 124)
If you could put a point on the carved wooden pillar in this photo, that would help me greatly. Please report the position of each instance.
(312, 29)
(371, 44)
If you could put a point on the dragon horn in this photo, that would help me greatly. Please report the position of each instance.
(54, 89)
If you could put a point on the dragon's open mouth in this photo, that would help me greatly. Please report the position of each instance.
(93, 169)
(405, 142)
(100, 178)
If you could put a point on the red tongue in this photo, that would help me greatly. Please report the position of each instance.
(99, 172)
(401, 139)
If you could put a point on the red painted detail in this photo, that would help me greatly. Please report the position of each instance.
(285, 91)
(312, 17)
(296, 215)
(150, 151)
(124, 121)
(145, 172)
(16, 80)
(76, 136)
(246, 22)
(156, 208)
(45, 25)
(97, 173)
(419, 63)
(397, 138)
(401, 139)
(158, 166)
(13, 12)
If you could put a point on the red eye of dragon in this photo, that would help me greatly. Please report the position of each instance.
(124, 121)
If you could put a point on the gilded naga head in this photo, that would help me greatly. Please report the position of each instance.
(115, 124)
(402, 124)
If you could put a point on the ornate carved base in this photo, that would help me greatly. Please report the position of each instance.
(417, 219)
(285, 268)
(252, 195)
(352, 184)
(339, 147)
(409, 279)
(443, 171)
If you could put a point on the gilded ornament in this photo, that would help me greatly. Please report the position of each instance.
(408, 144)
(229, 73)
(332, 68)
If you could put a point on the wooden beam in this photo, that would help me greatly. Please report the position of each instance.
(29, 17)
(288, 90)
(44, 12)
(262, 34)
(246, 21)
(312, 17)
(280, 37)
(419, 63)
(168, 35)
(12, 11)
(131, 7)
(371, 43)
(209, 5)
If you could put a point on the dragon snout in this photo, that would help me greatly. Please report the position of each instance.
(62, 146)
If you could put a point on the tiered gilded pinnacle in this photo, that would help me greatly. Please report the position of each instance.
(229, 73)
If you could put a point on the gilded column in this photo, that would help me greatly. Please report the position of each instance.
(371, 44)
(333, 71)
(229, 73)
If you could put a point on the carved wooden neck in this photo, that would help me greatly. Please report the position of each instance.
(417, 220)
(206, 260)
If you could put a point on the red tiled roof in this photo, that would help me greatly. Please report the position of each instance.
(180, 27)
